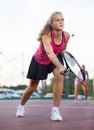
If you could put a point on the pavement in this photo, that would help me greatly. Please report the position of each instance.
(77, 116)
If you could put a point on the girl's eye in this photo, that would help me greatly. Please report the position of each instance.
(57, 20)
(62, 19)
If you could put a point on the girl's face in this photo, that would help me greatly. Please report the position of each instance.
(57, 22)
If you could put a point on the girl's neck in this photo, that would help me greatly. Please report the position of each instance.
(57, 34)
(57, 37)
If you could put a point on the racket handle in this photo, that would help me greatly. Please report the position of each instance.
(64, 72)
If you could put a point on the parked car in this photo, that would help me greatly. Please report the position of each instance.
(9, 94)
(33, 95)
(48, 95)
(80, 97)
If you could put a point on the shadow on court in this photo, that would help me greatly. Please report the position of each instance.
(77, 116)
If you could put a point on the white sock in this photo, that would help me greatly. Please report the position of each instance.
(21, 105)
(55, 108)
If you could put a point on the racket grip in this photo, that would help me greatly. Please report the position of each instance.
(64, 72)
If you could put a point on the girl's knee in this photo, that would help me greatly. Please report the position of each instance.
(33, 82)
(32, 85)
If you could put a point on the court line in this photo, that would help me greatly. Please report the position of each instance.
(65, 106)
(45, 106)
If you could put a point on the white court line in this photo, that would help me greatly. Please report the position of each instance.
(50, 106)
(73, 107)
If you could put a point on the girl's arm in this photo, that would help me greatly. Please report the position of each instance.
(46, 39)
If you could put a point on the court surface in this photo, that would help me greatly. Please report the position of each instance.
(77, 116)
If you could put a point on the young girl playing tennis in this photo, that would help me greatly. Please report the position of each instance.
(53, 40)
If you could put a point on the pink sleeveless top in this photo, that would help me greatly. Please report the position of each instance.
(41, 56)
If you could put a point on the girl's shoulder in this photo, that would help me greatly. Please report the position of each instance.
(46, 37)
(66, 34)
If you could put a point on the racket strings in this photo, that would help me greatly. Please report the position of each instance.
(73, 65)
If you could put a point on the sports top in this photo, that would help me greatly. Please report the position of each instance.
(41, 56)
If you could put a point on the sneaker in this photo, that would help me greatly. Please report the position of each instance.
(20, 111)
(55, 115)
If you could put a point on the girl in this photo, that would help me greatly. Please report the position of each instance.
(47, 58)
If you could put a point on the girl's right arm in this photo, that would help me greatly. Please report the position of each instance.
(46, 39)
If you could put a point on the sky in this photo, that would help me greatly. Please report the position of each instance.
(21, 22)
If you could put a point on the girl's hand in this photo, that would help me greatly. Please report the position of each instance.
(63, 70)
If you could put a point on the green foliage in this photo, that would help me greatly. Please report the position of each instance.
(68, 84)
(90, 87)
(50, 87)
(19, 87)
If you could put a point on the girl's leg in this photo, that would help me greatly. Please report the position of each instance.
(57, 92)
(58, 87)
(26, 95)
(29, 90)
(76, 87)
(84, 87)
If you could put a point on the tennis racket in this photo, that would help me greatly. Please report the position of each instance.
(72, 65)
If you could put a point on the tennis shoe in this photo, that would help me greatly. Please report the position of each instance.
(55, 115)
(20, 111)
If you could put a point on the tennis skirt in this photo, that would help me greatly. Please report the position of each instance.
(39, 71)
